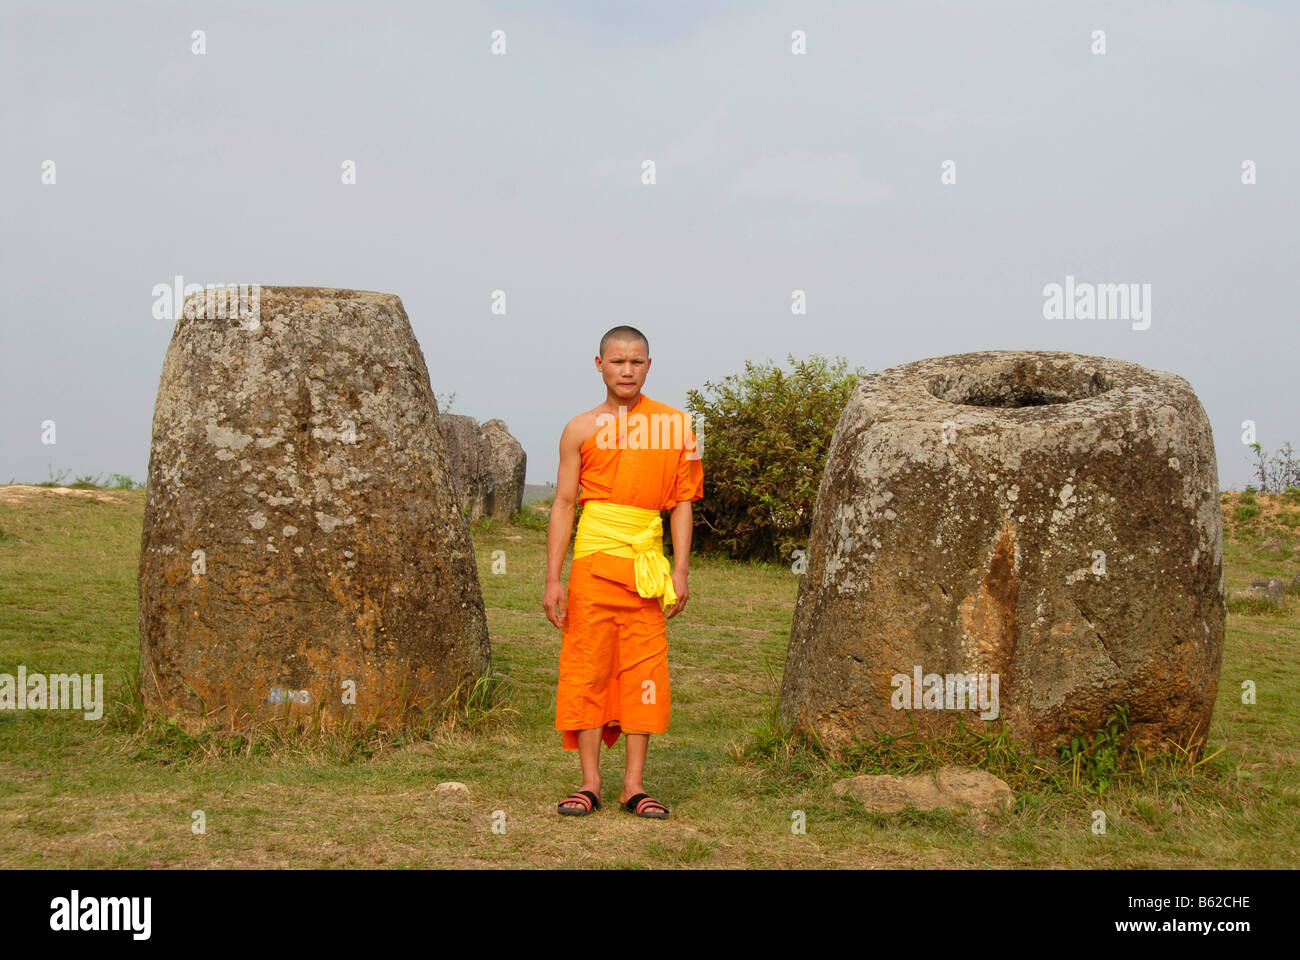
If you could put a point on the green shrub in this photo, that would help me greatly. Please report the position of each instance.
(1245, 512)
(765, 435)
(530, 517)
(1250, 606)
(1277, 473)
(1096, 760)
(55, 480)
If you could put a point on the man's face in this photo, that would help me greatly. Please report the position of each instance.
(623, 367)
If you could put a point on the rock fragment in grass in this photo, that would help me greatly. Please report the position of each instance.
(1270, 589)
(452, 790)
(950, 788)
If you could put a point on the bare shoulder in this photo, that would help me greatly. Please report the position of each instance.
(577, 430)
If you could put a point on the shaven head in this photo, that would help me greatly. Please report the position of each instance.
(624, 333)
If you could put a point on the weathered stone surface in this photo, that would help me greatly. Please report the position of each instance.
(1270, 589)
(1045, 518)
(950, 788)
(302, 456)
(507, 464)
(488, 465)
(452, 790)
(460, 434)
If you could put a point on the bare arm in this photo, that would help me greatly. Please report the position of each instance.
(561, 523)
(680, 525)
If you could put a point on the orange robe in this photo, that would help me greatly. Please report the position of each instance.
(614, 649)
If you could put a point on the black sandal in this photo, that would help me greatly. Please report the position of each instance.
(591, 801)
(643, 805)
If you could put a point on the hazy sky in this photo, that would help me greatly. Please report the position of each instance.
(775, 172)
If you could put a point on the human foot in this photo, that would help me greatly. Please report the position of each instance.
(579, 804)
(644, 805)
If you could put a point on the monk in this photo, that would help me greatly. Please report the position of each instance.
(624, 461)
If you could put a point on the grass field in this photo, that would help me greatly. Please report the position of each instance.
(121, 792)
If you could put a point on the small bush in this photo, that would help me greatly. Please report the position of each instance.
(530, 518)
(1250, 606)
(1277, 473)
(55, 480)
(765, 435)
(116, 481)
(1245, 512)
(1097, 759)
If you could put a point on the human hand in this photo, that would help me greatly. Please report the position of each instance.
(680, 588)
(554, 600)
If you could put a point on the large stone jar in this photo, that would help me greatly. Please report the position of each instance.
(1038, 530)
(303, 551)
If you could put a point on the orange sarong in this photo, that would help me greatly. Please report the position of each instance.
(614, 650)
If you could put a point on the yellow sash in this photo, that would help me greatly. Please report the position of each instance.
(627, 531)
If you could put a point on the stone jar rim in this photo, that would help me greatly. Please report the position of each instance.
(1015, 386)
